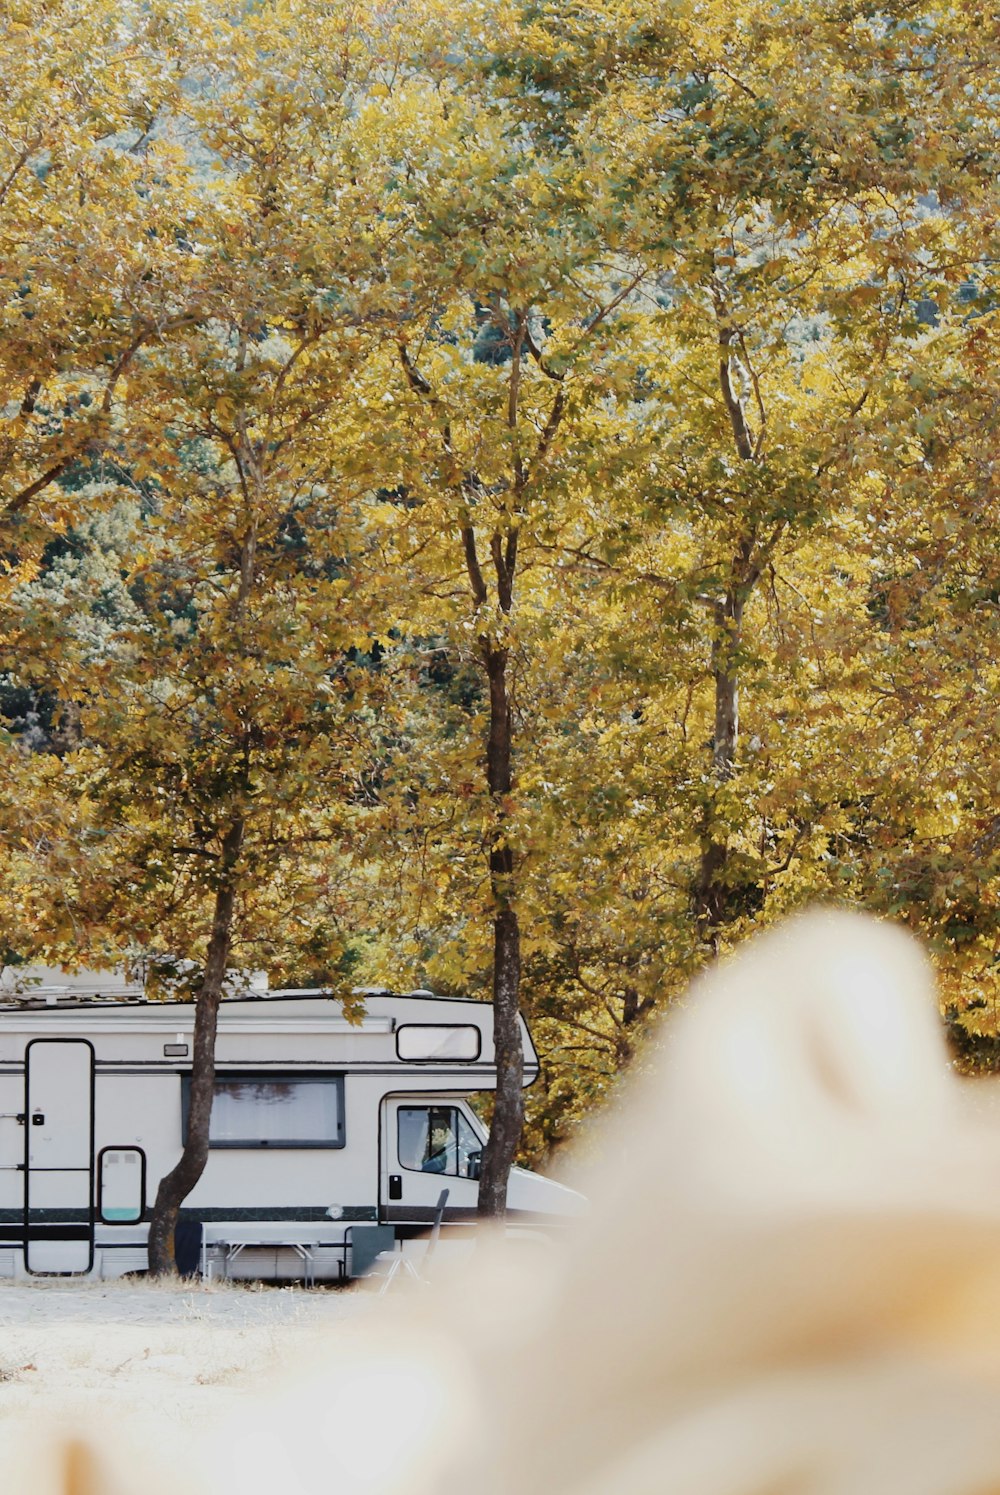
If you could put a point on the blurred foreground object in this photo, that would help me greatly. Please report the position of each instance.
(790, 1281)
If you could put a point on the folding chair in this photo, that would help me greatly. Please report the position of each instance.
(403, 1263)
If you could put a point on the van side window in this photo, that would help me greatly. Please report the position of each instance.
(274, 1110)
(121, 1184)
(438, 1139)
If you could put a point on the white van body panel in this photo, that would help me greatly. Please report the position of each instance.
(533, 1194)
(306, 1127)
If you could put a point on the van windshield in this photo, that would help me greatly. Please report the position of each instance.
(438, 1139)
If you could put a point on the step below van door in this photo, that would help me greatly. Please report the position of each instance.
(428, 1144)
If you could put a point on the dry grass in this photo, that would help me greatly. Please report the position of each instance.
(141, 1349)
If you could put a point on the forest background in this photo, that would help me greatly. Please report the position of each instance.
(498, 496)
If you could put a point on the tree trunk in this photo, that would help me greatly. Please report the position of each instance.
(634, 1009)
(711, 895)
(710, 890)
(508, 1114)
(176, 1185)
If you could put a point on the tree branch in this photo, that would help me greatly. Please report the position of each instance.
(737, 416)
(479, 592)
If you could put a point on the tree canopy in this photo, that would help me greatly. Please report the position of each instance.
(498, 496)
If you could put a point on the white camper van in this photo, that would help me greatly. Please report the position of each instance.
(321, 1129)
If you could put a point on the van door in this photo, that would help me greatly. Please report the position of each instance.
(428, 1143)
(59, 1156)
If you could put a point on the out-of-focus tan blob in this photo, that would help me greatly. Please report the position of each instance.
(789, 1283)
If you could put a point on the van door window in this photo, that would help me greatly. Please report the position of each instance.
(437, 1139)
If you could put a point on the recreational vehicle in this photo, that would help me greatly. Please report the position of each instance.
(329, 1139)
